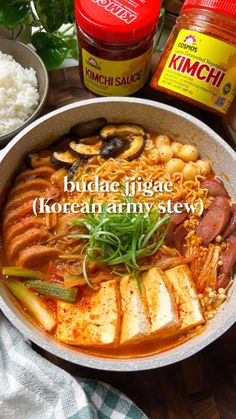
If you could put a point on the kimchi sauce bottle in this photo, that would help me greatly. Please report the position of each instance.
(199, 61)
(115, 43)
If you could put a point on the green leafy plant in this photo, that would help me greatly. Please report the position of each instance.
(13, 13)
(160, 26)
(47, 18)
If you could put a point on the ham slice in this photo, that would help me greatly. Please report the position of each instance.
(36, 184)
(22, 226)
(44, 171)
(32, 236)
(16, 214)
(37, 256)
(18, 201)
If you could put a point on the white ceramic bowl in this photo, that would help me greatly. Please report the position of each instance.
(26, 57)
(159, 118)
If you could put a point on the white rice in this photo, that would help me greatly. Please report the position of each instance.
(19, 96)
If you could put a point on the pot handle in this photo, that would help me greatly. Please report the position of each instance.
(2, 152)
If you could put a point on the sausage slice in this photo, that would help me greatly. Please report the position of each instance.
(179, 238)
(223, 280)
(229, 256)
(176, 219)
(215, 220)
(232, 226)
(228, 261)
(215, 187)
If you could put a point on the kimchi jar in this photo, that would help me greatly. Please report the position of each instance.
(115, 44)
(199, 61)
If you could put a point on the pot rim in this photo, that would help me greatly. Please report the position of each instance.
(167, 357)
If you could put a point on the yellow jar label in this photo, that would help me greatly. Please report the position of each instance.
(115, 78)
(202, 68)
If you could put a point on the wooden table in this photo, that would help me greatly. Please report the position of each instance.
(201, 387)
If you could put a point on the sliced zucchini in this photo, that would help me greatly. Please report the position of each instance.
(86, 129)
(135, 148)
(63, 159)
(86, 147)
(35, 160)
(53, 290)
(123, 130)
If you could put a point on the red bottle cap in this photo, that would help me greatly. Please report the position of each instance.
(117, 21)
(226, 7)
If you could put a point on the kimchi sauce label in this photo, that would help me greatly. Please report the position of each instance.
(115, 78)
(202, 68)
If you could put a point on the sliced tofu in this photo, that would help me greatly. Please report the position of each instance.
(94, 320)
(135, 324)
(161, 307)
(183, 290)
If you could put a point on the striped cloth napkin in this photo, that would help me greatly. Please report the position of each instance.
(33, 388)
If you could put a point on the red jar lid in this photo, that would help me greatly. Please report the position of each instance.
(118, 20)
(226, 7)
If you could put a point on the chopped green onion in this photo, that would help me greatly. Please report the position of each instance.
(115, 238)
(86, 275)
(21, 272)
(32, 303)
(54, 290)
(155, 227)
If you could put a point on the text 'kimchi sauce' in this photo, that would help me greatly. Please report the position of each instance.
(115, 44)
(199, 62)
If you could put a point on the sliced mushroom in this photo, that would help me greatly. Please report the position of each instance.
(63, 159)
(135, 148)
(86, 129)
(114, 147)
(123, 130)
(35, 160)
(74, 167)
(87, 147)
(90, 140)
(62, 143)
